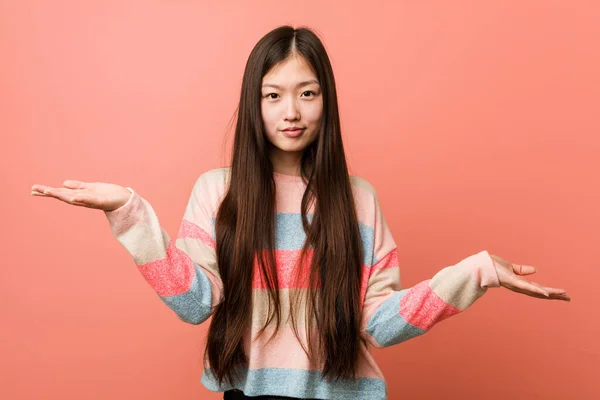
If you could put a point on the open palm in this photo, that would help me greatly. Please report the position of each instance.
(98, 195)
(510, 276)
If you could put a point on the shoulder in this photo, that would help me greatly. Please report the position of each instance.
(363, 186)
(211, 187)
(214, 180)
(366, 200)
(214, 177)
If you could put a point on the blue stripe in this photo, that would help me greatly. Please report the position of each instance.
(387, 326)
(193, 306)
(290, 235)
(299, 383)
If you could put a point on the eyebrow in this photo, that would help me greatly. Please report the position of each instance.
(300, 84)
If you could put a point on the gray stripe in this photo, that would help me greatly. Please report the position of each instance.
(387, 326)
(193, 306)
(289, 235)
(299, 383)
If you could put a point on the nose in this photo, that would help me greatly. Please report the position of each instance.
(292, 113)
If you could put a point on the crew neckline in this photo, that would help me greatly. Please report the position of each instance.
(286, 178)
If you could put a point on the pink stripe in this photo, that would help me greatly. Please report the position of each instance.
(422, 308)
(364, 284)
(171, 275)
(287, 269)
(190, 230)
(389, 261)
(284, 351)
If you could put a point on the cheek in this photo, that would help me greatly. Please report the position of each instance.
(314, 113)
(269, 118)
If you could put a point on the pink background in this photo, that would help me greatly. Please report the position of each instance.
(477, 123)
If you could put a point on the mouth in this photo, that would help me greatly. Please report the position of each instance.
(293, 132)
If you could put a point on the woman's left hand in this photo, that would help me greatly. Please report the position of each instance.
(510, 277)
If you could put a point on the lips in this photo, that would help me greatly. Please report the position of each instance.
(293, 132)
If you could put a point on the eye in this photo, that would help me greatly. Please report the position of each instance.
(310, 92)
(272, 95)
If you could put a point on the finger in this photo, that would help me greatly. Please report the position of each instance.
(541, 296)
(61, 194)
(554, 290)
(42, 189)
(549, 289)
(529, 287)
(537, 295)
(37, 188)
(560, 297)
(523, 269)
(72, 184)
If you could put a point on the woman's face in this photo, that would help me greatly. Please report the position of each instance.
(291, 99)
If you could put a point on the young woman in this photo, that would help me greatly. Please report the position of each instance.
(289, 254)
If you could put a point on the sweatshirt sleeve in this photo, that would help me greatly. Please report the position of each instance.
(182, 271)
(392, 314)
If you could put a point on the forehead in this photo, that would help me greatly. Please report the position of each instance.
(292, 70)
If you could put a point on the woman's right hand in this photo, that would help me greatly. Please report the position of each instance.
(98, 195)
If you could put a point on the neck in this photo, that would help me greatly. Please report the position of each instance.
(285, 162)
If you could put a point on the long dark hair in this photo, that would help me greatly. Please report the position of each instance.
(245, 225)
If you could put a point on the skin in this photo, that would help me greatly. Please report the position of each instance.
(291, 96)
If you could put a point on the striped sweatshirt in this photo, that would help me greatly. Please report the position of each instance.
(183, 271)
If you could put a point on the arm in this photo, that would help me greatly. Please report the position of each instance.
(391, 314)
(182, 271)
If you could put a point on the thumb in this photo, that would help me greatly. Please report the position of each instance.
(71, 184)
(523, 269)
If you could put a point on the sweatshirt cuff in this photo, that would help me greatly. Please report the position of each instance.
(488, 275)
(124, 217)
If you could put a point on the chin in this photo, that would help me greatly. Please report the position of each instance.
(291, 149)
